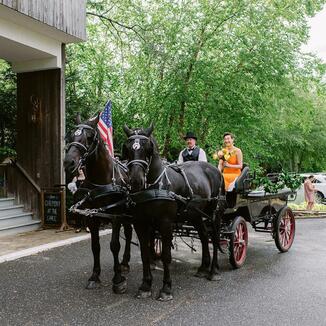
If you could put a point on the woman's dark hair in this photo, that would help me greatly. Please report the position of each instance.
(311, 176)
(228, 134)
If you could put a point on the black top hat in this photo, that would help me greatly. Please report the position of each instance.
(190, 134)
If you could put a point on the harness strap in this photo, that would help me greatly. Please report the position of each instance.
(159, 179)
(187, 181)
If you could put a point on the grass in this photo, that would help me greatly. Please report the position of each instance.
(303, 206)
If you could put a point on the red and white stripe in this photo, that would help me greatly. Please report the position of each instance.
(106, 135)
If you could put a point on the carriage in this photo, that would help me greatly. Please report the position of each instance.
(187, 200)
(265, 212)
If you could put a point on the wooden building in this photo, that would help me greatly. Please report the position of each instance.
(33, 34)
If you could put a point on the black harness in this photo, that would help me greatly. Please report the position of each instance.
(91, 193)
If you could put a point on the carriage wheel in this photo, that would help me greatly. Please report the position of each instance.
(284, 229)
(239, 242)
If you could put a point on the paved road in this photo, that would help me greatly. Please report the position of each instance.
(271, 289)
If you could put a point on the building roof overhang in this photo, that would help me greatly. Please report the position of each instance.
(30, 44)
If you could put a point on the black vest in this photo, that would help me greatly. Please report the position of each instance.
(190, 157)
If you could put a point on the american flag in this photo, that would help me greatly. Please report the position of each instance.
(105, 127)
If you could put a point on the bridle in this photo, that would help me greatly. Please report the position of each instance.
(85, 151)
(144, 164)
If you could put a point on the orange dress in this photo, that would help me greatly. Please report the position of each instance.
(231, 174)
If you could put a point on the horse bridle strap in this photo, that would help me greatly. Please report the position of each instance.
(78, 145)
(81, 146)
(138, 137)
(142, 163)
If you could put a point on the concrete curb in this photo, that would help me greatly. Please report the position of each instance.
(35, 250)
(309, 217)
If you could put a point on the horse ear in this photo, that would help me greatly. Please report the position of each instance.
(78, 119)
(127, 131)
(148, 131)
(94, 121)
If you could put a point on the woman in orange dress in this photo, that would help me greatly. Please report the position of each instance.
(230, 161)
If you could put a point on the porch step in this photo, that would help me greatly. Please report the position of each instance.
(14, 220)
(25, 227)
(5, 202)
(11, 210)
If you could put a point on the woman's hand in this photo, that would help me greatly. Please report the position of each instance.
(227, 165)
(220, 154)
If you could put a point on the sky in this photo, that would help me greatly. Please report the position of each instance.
(317, 40)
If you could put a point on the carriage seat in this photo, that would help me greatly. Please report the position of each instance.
(242, 183)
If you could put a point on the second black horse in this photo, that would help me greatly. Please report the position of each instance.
(166, 194)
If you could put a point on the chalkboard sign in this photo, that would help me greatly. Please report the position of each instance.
(52, 202)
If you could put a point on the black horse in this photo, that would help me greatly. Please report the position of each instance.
(86, 149)
(166, 194)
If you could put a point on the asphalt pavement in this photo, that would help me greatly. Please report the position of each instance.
(270, 289)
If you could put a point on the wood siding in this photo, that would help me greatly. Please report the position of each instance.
(68, 16)
(38, 132)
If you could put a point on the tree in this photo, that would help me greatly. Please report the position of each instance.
(209, 67)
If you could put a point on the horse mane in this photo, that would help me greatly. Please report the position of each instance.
(155, 146)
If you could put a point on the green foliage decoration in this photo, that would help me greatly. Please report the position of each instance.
(272, 184)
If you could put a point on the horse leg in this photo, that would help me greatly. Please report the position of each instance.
(214, 274)
(153, 254)
(126, 255)
(119, 281)
(145, 289)
(203, 269)
(166, 234)
(94, 281)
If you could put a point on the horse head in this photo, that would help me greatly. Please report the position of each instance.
(138, 150)
(82, 142)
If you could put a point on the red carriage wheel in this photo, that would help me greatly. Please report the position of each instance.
(239, 242)
(284, 229)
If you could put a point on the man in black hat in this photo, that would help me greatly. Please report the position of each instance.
(191, 152)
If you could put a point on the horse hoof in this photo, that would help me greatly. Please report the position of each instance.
(164, 296)
(214, 277)
(120, 288)
(91, 285)
(124, 269)
(202, 274)
(143, 294)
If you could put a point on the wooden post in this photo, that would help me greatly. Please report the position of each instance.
(64, 225)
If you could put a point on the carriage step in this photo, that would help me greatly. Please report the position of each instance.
(263, 230)
(227, 232)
